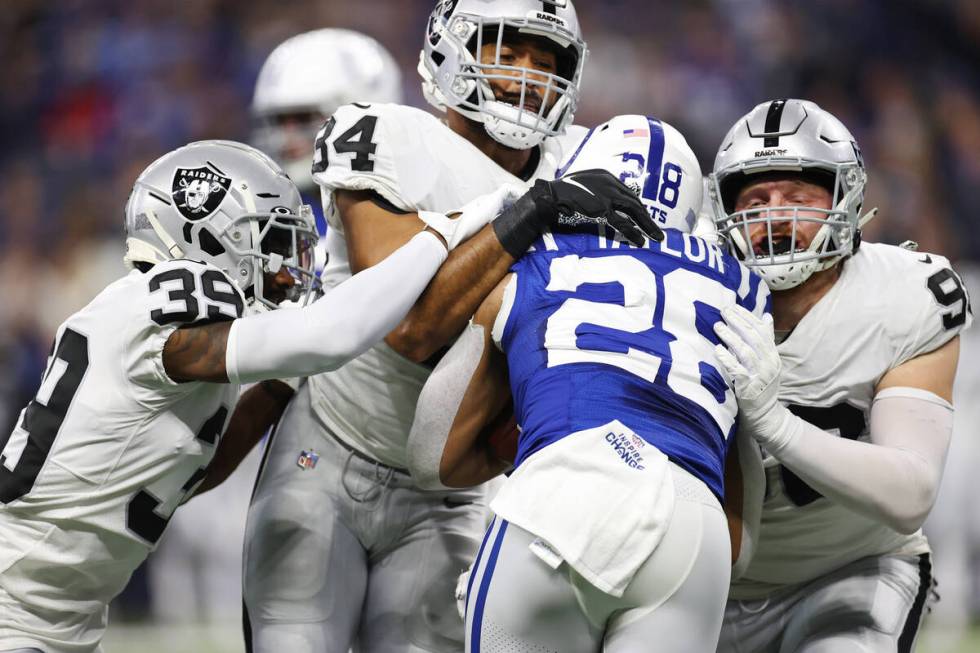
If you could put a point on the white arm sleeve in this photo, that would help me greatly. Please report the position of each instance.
(438, 404)
(893, 479)
(753, 495)
(339, 326)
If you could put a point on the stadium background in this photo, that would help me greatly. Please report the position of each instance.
(93, 90)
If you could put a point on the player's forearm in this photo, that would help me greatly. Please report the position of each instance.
(461, 284)
(895, 478)
(341, 325)
(460, 398)
(258, 409)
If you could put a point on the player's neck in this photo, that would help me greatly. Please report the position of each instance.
(790, 306)
(513, 161)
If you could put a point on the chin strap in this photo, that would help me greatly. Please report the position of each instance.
(867, 217)
(168, 242)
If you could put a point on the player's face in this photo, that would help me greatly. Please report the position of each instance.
(792, 196)
(529, 52)
(276, 286)
(297, 130)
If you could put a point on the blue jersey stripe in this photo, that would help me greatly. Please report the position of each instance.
(479, 556)
(481, 598)
(578, 150)
(655, 160)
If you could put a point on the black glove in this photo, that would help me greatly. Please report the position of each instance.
(593, 196)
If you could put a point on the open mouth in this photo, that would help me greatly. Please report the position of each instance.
(781, 244)
(532, 103)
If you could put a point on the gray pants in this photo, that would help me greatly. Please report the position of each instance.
(873, 604)
(518, 604)
(348, 553)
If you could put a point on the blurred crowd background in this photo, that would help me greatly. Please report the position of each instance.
(94, 90)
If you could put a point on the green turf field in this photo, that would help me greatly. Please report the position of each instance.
(183, 638)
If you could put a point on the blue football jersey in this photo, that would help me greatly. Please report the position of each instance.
(600, 330)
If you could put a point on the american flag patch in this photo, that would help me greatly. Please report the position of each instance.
(307, 459)
(636, 132)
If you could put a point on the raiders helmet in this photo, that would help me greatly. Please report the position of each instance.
(797, 137)
(227, 204)
(305, 79)
(454, 77)
(650, 157)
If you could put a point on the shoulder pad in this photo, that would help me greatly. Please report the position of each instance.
(930, 304)
(184, 292)
(371, 147)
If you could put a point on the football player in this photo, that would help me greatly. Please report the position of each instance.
(140, 382)
(303, 80)
(849, 396)
(377, 560)
(609, 534)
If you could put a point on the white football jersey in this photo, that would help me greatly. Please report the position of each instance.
(415, 162)
(888, 306)
(104, 454)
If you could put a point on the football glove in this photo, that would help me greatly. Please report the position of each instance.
(752, 362)
(593, 196)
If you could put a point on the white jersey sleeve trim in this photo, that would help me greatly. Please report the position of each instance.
(913, 393)
(506, 305)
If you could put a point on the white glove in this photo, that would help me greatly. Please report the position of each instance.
(475, 214)
(753, 365)
(461, 582)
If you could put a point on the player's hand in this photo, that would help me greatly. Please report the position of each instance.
(597, 195)
(473, 216)
(752, 362)
(462, 582)
(590, 195)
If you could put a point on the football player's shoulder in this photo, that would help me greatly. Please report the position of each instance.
(184, 291)
(924, 302)
(559, 148)
(386, 148)
(171, 295)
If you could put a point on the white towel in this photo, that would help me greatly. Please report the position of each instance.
(600, 499)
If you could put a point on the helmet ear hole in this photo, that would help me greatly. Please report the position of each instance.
(209, 243)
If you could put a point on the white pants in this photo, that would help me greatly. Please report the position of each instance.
(873, 604)
(516, 603)
(350, 553)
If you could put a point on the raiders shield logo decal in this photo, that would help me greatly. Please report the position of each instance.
(197, 192)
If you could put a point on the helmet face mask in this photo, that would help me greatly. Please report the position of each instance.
(457, 74)
(804, 143)
(227, 204)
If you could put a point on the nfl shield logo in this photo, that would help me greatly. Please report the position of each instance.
(197, 192)
(307, 459)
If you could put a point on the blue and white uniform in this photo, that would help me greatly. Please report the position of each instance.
(612, 512)
(619, 322)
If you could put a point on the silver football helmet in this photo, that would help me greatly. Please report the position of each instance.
(798, 137)
(227, 204)
(651, 158)
(304, 80)
(454, 77)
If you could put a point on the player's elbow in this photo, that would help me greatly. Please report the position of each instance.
(908, 516)
(413, 340)
(908, 522)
